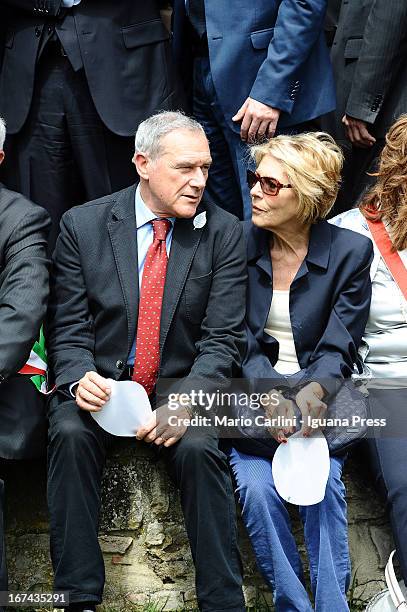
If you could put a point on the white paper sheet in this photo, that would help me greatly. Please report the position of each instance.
(127, 409)
(301, 469)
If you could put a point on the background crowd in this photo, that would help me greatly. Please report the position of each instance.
(78, 79)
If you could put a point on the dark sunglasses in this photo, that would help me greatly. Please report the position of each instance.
(269, 185)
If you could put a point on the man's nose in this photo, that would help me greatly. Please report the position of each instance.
(198, 179)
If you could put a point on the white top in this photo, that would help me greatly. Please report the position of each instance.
(386, 331)
(278, 325)
(384, 345)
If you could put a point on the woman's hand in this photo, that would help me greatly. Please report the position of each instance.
(309, 401)
(279, 406)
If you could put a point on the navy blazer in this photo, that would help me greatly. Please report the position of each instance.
(272, 50)
(329, 305)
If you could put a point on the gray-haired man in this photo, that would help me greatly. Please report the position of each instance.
(120, 308)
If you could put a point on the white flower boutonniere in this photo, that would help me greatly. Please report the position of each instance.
(200, 220)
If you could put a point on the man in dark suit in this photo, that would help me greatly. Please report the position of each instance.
(259, 68)
(331, 20)
(369, 57)
(23, 296)
(77, 78)
(121, 309)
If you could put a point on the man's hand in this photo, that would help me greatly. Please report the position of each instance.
(357, 132)
(158, 429)
(258, 120)
(285, 410)
(309, 401)
(92, 392)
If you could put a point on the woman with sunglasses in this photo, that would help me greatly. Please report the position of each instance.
(308, 301)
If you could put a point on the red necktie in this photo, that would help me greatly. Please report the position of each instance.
(147, 358)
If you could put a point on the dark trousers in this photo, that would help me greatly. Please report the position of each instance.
(23, 419)
(3, 568)
(64, 155)
(359, 164)
(226, 184)
(76, 456)
(388, 458)
(22, 436)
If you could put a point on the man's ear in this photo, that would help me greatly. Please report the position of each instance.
(141, 162)
(1, 156)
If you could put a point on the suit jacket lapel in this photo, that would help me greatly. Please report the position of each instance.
(122, 230)
(185, 240)
(319, 249)
(261, 289)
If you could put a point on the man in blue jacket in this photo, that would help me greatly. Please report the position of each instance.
(259, 68)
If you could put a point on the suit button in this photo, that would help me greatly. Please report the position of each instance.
(119, 364)
(38, 32)
(50, 29)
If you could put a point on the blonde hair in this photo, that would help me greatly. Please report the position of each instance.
(313, 164)
(387, 199)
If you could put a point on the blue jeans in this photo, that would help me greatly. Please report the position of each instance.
(227, 185)
(388, 453)
(268, 524)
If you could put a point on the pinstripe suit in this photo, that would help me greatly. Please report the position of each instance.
(369, 60)
(369, 56)
(23, 296)
(23, 278)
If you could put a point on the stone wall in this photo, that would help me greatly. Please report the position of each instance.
(144, 542)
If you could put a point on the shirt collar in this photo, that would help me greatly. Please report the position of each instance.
(318, 249)
(143, 213)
